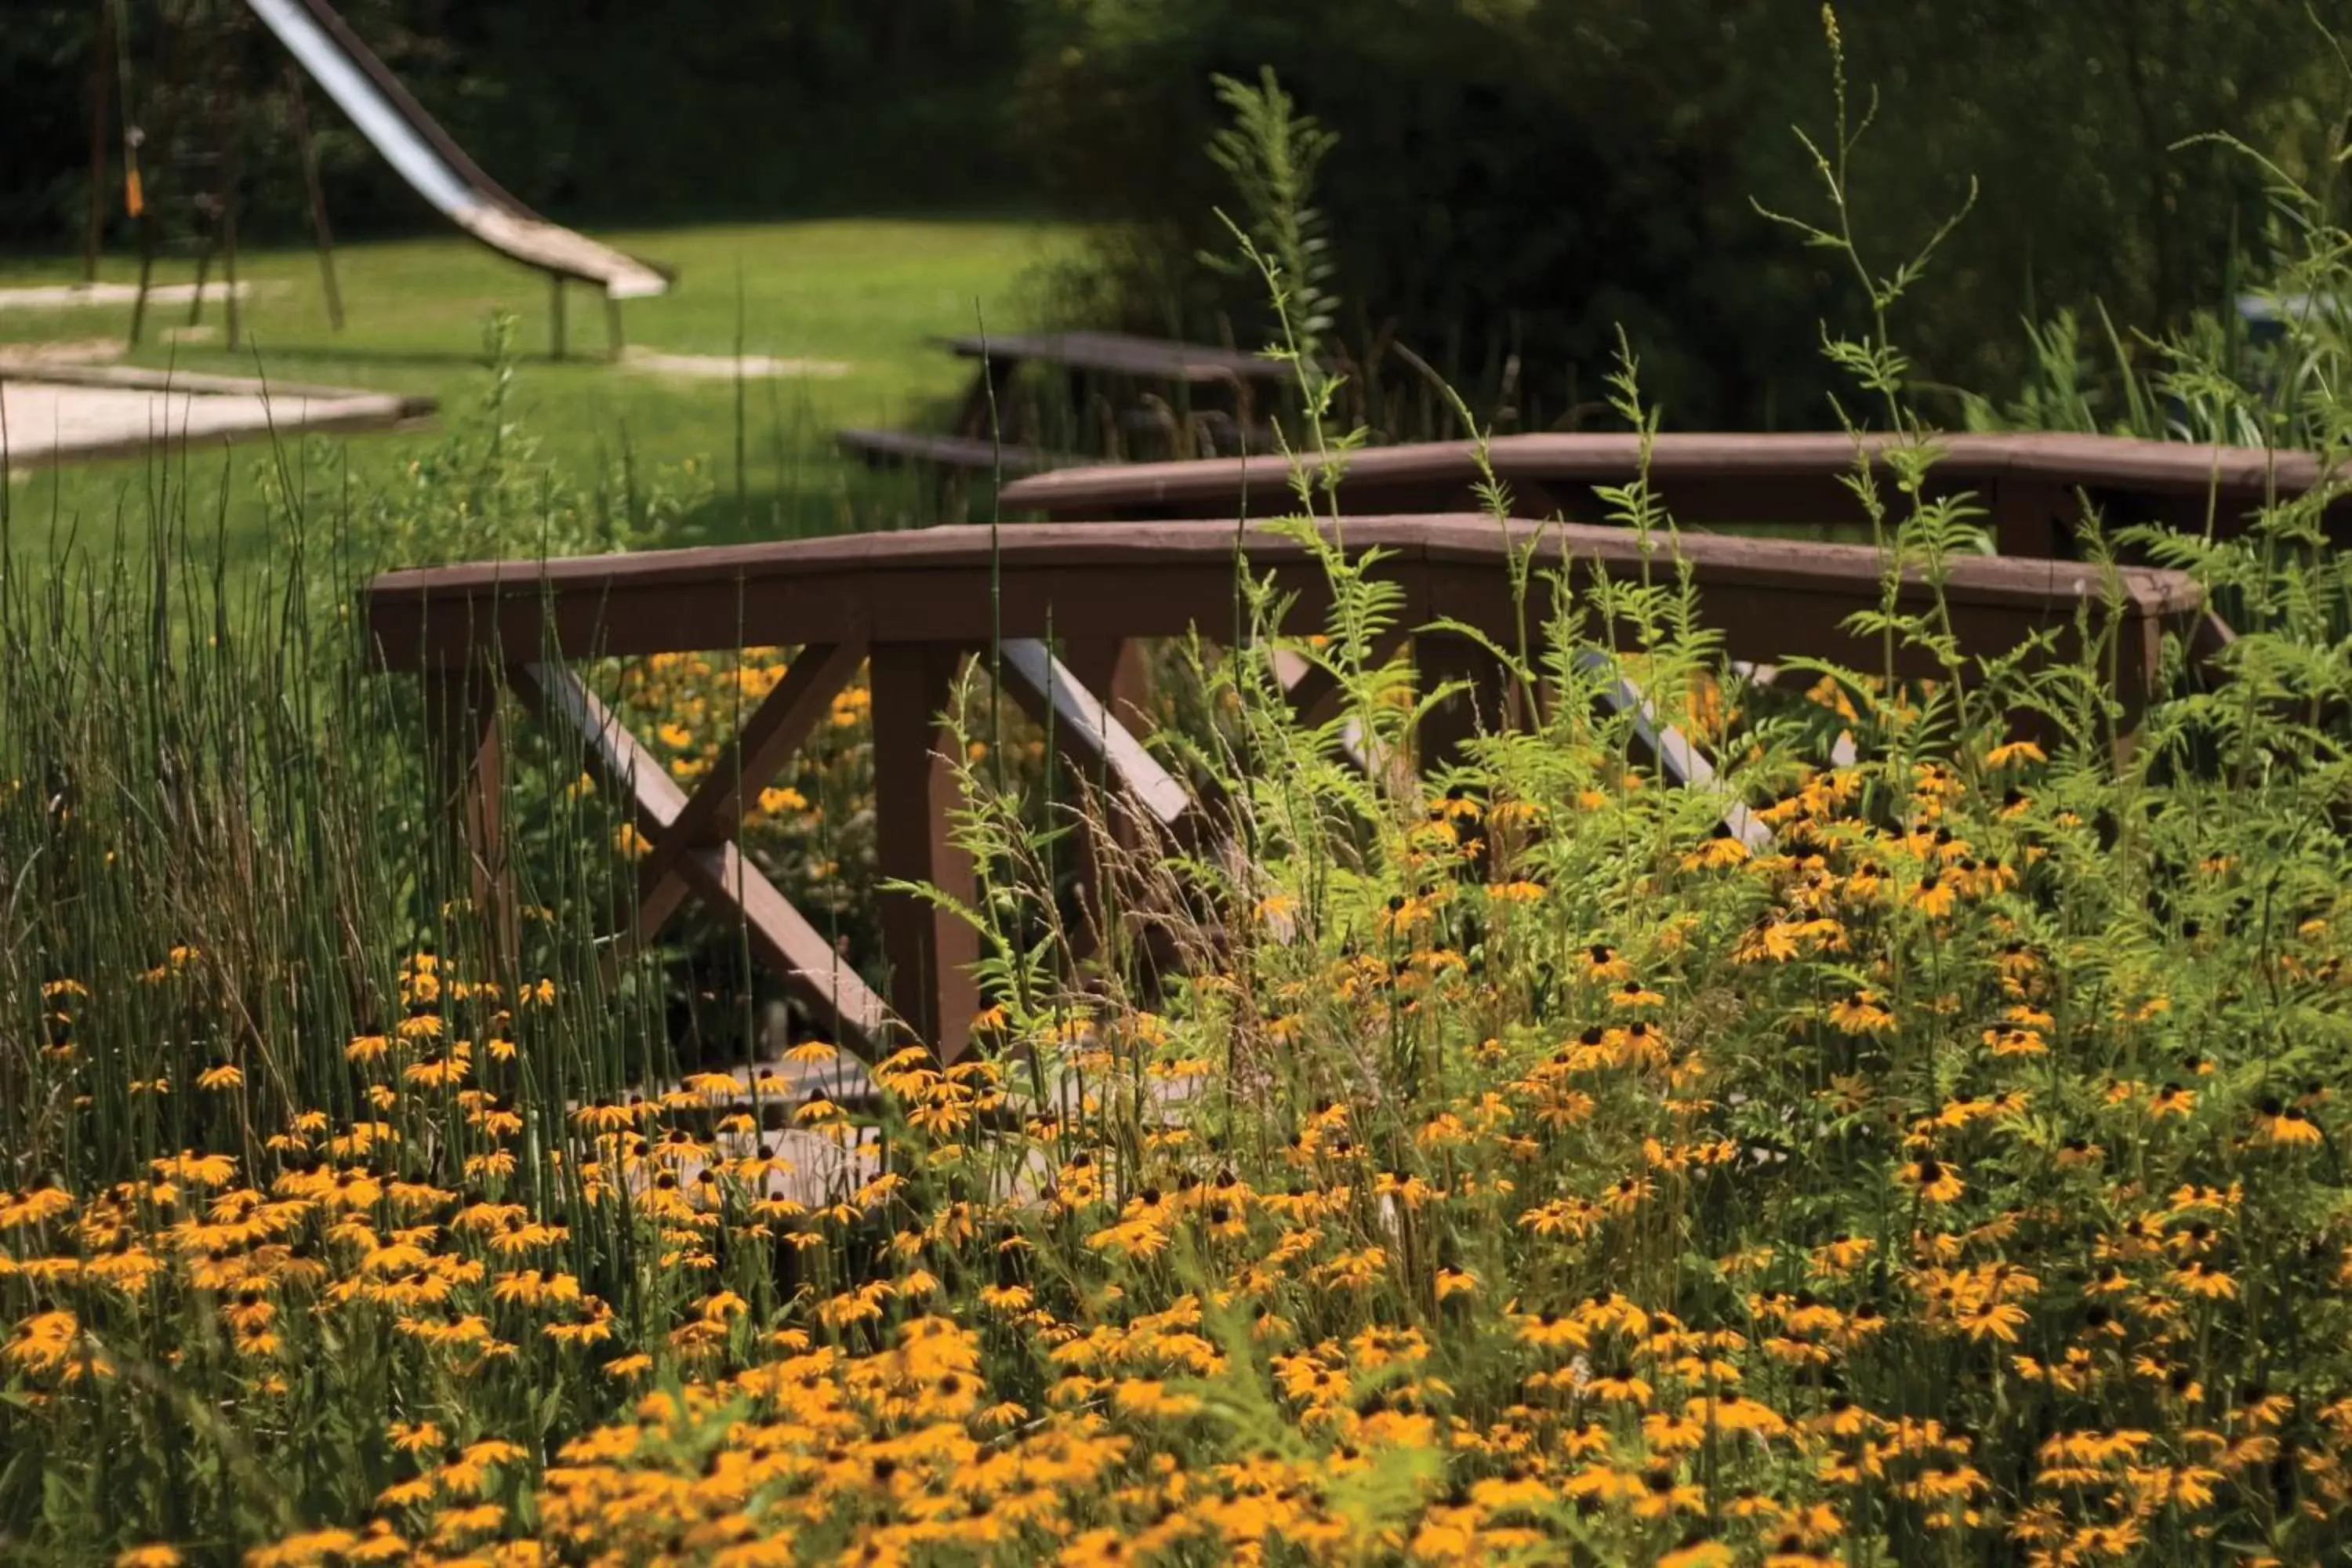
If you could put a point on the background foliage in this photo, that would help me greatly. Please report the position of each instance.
(1520, 177)
(598, 111)
(1511, 179)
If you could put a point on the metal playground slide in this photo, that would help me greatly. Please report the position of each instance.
(435, 165)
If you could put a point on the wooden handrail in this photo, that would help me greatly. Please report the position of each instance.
(2032, 485)
(914, 605)
(967, 584)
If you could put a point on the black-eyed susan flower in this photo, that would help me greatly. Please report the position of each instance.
(1860, 1012)
(1934, 1181)
(1934, 894)
(2284, 1126)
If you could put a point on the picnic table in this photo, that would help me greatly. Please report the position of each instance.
(994, 433)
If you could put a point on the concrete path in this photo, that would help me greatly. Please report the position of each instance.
(54, 414)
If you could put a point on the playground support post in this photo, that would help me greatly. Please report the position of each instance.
(298, 117)
(101, 61)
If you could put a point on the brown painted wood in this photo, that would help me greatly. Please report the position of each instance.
(1769, 599)
(1140, 580)
(465, 753)
(1093, 738)
(968, 454)
(1474, 708)
(1123, 354)
(920, 602)
(929, 950)
(781, 936)
(2032, 516)
(791, 948)
(619, 760)
(775, 729)
(1705, 479)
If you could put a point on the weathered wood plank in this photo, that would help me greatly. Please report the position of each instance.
(965, 454)
(966, 583)
(929, 950)
(775, 729)
(1124, 354)
(780, 935)
(466, 748)
(1717, 477)
(782, 939)
(1083, 724)
(1676, 757)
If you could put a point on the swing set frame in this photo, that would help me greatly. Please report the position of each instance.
(190, 39)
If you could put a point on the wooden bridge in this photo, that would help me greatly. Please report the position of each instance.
(910, 607)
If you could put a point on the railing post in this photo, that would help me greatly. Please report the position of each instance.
(464, 748)
(2033, 519)
(1111, 670)
(929, 950)
(1448, 657)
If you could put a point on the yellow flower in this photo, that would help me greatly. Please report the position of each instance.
(1932, 895)
(2001, 756)
(1722, 847)
(1602, 962)
(2210, 1284)
(1102, 1548)
(1550, 1331)
(1150, 1398)
(2287, 1127)
(1619, 1385)
(1633, 994)
(411, 1438)
(2015, 1042)
(1934, 1181)
(1862, 1013)
(33, 1207)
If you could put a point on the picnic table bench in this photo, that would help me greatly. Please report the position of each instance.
(991, 435)
(911, 607)
(2032, 485)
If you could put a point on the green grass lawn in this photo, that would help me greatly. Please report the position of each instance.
(868, 294)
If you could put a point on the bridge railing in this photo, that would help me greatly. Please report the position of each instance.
(2032, 487)
(910, 607)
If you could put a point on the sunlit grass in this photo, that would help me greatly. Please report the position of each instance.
(866, 296)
